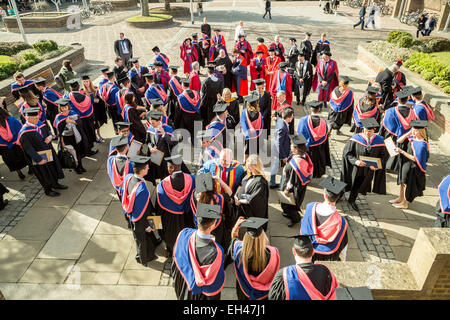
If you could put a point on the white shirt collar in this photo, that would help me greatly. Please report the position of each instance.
(324, 209)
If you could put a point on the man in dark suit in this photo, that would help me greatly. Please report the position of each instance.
(120, 71)
(385, 78)
(124, 49)
(303, 78)
(306, 46)
(282, 144)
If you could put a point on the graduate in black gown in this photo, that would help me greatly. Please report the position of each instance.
(252, 126)
(134, 115)
(367, 107)
(175, 90)
(204, 193)
(173, 196)
(211, 87)
(232, 108)
(341, 105)
(138, 207)
(443, 204)
(305, 280)
(224, 60)
(297, 173)
(49, 96)
(188, 109)
(35, 137)
(136, 75)
(357, 174)
(100, 113)
(10, 150)
(315, 130)
(255, 261)
(265, 104)
(412, 164)
(252, 197)
(198, 260)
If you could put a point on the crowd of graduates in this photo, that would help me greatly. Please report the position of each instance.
(203, 206)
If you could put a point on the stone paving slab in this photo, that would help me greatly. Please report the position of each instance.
(72, 235)
(99, 191)
(98, 278)
(106, 253)
(67, 197)
(47, 271)
(400, 232)
(147, 277)
(158, 264)
(113, 221)
(38, 224)
(15, 258)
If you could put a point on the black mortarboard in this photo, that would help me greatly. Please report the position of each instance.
(216, 29)
(156, 102)
(155, 48)
(85, 77)
(283, 64)
(418, 124)
(73, 82)
(327, 52)
(301, 54)
(204, 182)
(372, 90)
(134, 60)
(185, 81)
(333, 185)
(139, 159)
(154, 115)
(174, 68)
(119, 141)
(402, 94)
(407, 88)
(204, 134)
(345, 79)
(254, 225)
(417, 90)
(31, 111)
(158, 64)
(259, 51)
(110, 73)
(175, 159)
(259, 39)
(39, 80)
(62, 102)
(308, 33)
(194, 35)
(105, 69)
(298, 139)
(241, 36)
(220, 107)
(302, 241)
(211, 67)
(258, 81)
(24, 89)
(122, 80)
(251, 98)
(370, 123)
(271, 50)
(148, 76)
(315, 104)
(122, 125)
(207, 211)
(293, 39)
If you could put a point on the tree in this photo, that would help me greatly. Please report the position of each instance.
(144, 8)
(167, 5)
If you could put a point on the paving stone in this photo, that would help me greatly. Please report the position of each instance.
(48, 271)
(148, 277)
(376, 241)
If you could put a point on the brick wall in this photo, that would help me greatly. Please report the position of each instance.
(442, 287)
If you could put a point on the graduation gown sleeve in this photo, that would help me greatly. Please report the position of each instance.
(277, 291)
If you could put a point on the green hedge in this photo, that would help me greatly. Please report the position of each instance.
(402, 39)
(12, 48)
(44, 46)
(428, 44)
(430, 68)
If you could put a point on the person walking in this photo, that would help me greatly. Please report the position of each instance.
(124, 49)
(362, 14)
(372, 10)
(267, 10)
(239, 31)
(421, 25)
(430, 24)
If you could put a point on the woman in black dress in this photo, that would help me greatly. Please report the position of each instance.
(99, 106)
(232, 108)
(10, 151)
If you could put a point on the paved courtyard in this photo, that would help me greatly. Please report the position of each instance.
(77, 246)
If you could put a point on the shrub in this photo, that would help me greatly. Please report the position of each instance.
(395, 35)
(44, 46)
(435, 44)
(388, 52)
(9, 68)
(405, 41)
(428, 75)
(436, 80)
(30, 56)
(444, 83)
(12, 48)
(26, 64)
(446, 90)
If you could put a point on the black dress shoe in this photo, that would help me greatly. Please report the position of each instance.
(274, 186)
(92, 152)
(284, 214)
(83, 169)
(61, 187)
(52, 193)
(354, 206)
(4, 204)
(79, 171)
(21, 176)
(158, 242)
(290, 224)
(30, 171)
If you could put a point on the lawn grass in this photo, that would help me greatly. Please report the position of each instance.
(5, 59)
(153, 17)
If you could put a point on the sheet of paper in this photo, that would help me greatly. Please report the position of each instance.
(390, 146)
(287, 200)
(157, 157)
(134, 149)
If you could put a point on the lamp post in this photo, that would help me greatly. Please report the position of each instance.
(19, 23)
(448, 18)
(192, 11)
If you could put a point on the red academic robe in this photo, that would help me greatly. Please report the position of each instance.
(241, 77)
(271, 66)
(262, 47)
(325, 94)
(188, 55)
(274, 87)
(195, 81)
(249, 53)
(255, 74)
(280, 48)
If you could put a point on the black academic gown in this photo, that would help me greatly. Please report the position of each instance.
(172, 102)
(88, 122)
(298, 190)
(338, 119)
(410, 174)
(385, 78)
(48, 174)
(253, 146)
(82, 147)
(164, 144)
(13, 158)
(138, 81)
(136, 126)
(258, 205)
(146, 242)
(51, 110)
(265, 106)
(359, 179)
(320, 155)
(206, 253)
(100, 113)
(442, 219)
(319, 275)
(210, 88)
(233, 114)
(228, 76)
(305, 74)
(307, 48)
(186, 120)
(174, 223)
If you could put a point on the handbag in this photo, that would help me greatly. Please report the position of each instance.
(66, 159)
